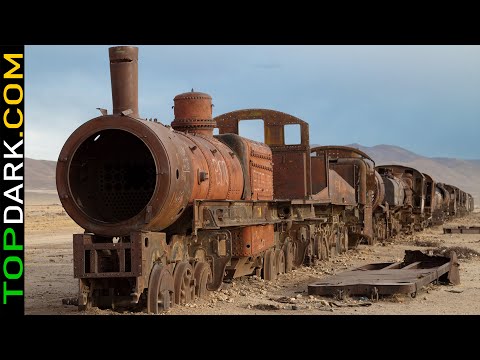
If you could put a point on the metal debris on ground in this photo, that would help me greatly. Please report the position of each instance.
(416, 270)
(462, 252)
(461, 230)
(427, 243)
(70, 301)
(360, 304)
(284, 300)
(267, 307)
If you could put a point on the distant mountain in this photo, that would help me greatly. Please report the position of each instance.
(40, 174)
(465, 174)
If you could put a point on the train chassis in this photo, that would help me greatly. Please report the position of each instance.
(154, 271)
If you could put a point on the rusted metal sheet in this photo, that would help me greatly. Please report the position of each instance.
(193, 113)
(289, 175)
(209, 214)
(341, 193)
(124, 78)
(256, 161)
(408, 277)
(379, 193)
(253, 240)
(216, 170)
(453, 204)
(319, 173)
(394, 191)
(462, 230)
(339, 152)
(471, 204)
(415, 181)
(291, 170)
(351, 164)
(347, 171)
(429, 189)
(261, 171)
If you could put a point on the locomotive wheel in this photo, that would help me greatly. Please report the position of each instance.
(160, 289)
(280, 257)
(203, 276)
(288, 257)
(269, 266)
(184, 283)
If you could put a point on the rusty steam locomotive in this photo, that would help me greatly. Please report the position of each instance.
(170, 212)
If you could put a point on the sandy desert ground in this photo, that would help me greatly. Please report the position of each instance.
(49, 275)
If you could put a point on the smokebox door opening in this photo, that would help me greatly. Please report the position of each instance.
(112, 176)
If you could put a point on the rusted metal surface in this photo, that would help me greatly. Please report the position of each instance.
(193, 113)
(429, 189)
(441, 204)
(291, 161)
(351, 157)
(183, 283)
(124, 78)
(161, 291)
(379, 193)
(357, 170)
(471, 204)
(339, 152)
(203, 276)
(270, 265)
(253, 240)
(394, 190)
(415, 180)
(209, 214)
(453, 203)
(319, 173)
(408, 277)
(339, 191)
(461, 230)
(117, 174)
(216, 170)
(256, 161)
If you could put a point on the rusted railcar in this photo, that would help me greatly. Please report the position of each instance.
(441, 205)
(429, 191)
(312, 222)
(453, 192)
(171, 211)
(405, 193)
(354, 182)
(470, 202)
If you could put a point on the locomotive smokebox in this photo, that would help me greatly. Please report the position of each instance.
(124, 76)
(193, 113)
(119, 173)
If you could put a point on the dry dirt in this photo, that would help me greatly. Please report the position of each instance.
(49, 275)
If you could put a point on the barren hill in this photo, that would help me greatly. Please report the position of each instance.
(40, 174)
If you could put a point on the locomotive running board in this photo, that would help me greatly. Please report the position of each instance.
(461, 230)
(407, 277)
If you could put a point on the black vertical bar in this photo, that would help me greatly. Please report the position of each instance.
(12, 112)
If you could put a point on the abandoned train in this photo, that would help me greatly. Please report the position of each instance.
(170, 212)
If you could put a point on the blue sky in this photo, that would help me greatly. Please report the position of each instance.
(423, 98)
